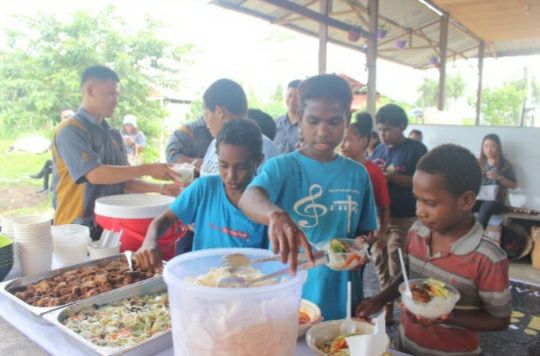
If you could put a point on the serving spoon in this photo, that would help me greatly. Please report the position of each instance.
(129, 255)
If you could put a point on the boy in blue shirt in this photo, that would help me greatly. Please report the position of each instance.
(315, 195)
(211, 202)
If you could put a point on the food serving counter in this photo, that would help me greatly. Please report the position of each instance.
(52, 340)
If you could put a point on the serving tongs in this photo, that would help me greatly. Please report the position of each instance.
(240, 282)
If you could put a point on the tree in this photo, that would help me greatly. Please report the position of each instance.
(455, 87)
(502, 106)
(41, 66)
(429, 90)
(428, 93)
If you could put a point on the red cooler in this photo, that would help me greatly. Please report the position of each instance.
(133, 213)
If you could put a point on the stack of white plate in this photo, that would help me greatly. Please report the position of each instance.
(70, 243)
(34, 243)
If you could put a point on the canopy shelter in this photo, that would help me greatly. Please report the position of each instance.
(416, 33)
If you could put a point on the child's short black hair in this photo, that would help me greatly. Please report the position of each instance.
(457, 165)
(416, 132)
(326, 86)
(241, 132)
(227, 94)
(294, 84)
(99, 72)
(265, 122)
(393, 115)
(363, 125)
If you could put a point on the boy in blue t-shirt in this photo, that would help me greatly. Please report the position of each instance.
(211, 202)
(315, 195)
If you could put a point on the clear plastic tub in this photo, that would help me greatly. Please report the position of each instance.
(231, 321)
(70, 243)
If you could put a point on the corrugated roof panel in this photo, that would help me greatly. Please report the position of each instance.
(405, 19)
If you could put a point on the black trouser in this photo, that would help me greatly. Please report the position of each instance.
(44, 173)
(487, 208)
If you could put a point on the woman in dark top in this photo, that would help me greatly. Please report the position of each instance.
(497, 177)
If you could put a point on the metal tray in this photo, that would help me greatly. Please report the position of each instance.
(7, 287)
(150, 346)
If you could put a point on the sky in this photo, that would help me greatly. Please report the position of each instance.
(259, 55)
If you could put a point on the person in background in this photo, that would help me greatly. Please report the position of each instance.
(46, 170)
(224, 101)
(89, 157)
(189, 143)
(373, 143)
(397, 157)
(314, 194)
(497, 177)
(264, 121)
(416, 135)
(133, 139)
(211, 202)
(287, 125)
(354, 146)
(447, 244)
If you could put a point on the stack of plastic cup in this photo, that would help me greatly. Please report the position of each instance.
(34, 243)
(7, 224)
(70, 243)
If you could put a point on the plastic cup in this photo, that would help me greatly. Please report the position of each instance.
(96, 253)
(231, 321)
(185, 171)
(34, 261)
(7, 224)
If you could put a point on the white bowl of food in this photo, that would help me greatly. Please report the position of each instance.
(326, 338)
(431, 298)
(344, 254)
(310, 314)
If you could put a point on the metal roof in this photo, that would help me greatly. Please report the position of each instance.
(412, 27)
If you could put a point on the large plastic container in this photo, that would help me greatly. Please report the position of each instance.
(70, 243)
(209, 321)
(133, 213)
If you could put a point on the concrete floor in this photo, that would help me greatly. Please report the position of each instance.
(522, 271)
(13, 343)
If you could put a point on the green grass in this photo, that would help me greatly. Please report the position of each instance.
(16, 167)
(15, 181)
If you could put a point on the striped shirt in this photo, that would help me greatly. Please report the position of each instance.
(475, 266)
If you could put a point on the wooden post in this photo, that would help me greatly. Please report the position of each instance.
(323, 35)
(481, 54)
(371, 60)
(443, 45)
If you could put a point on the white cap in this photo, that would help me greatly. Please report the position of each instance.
(131, 120)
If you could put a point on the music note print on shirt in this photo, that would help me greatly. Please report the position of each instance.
(309, 208)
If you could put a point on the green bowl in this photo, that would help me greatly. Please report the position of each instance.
(5, 241)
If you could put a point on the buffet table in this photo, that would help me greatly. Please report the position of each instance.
(52, 340)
